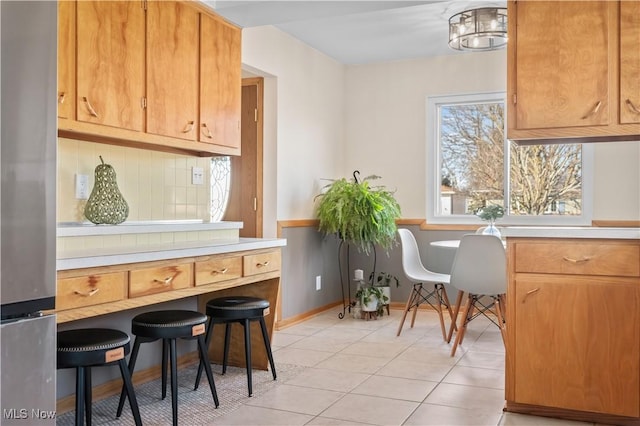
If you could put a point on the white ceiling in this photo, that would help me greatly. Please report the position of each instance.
(357, 31)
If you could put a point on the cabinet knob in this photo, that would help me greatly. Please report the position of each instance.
(206, 131)
(188, 127)
(219, 271)
(89, 107)
(529, 293)
(632, 107)
(593, 111)
(166, 281)
(62, 96)
(584, 259)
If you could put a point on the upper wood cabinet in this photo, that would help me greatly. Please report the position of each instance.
(141, 78)
(110, 63)
(220, 83)
(172, 69)
(67, 67)
(570, 70)
(630, 62)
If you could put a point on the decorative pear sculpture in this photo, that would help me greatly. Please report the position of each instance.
(106, 205)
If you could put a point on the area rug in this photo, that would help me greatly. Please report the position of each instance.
(194, 407)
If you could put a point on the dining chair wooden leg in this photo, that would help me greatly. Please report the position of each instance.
(445, 298)
(406, 309)
(438, 306)
(468, 309)
(417, 296)
(454, 318)
(500, 307)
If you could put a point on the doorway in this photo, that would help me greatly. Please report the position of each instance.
(246, 195)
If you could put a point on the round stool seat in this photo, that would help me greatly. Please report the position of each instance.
(237, 307)
(90, 346)
(169, 324)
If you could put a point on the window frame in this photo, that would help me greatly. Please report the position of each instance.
(433, 163)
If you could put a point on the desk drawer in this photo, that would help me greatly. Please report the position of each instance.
(255, 264)
(579, 258)
(218, 269)
(143, 282)
(90, 290)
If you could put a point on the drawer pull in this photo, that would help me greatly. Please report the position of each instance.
(584, 259)
(593, 111)
(260, 265)
(88, 294)
(166, 281)
(219, 271)
(530, 292)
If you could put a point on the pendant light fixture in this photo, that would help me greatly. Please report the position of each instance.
(478, 29)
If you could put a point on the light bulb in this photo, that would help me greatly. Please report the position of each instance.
(476, 42)
(494, 24)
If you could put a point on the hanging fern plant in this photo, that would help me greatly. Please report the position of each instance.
(360, 214)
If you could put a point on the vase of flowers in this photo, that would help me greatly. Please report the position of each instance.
(491, 213)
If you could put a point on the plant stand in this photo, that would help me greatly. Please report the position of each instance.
(345, 284)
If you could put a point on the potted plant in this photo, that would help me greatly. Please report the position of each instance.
(383, 281)
(372, 300)
(360, 214)
(491, 213)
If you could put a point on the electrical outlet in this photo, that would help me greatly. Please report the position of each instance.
(318, 282)
(197, 176)
(82, 187)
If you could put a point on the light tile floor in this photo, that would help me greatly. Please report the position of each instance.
(360, 372)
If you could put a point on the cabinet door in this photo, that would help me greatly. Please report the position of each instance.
(110, 63)
(221, 84)
(66, 59)
(575, 347)
(172, 69)
(629, 62)
(562, 61)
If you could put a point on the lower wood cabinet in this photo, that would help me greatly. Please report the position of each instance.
(573, 344)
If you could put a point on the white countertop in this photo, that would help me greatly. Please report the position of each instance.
(115, 256)
(80, 229)
(569, 232)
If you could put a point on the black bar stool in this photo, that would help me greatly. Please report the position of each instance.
(170, 325)
(95, 347)
(243, 310)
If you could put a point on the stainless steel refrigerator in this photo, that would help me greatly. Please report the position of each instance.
(28, 211)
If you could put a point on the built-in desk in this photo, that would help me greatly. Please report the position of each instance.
(104, 281)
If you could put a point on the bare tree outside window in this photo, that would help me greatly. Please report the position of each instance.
(543, 179)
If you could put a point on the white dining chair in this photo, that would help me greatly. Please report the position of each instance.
(435, 296)
(480, 270)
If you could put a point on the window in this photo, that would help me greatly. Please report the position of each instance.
(220, 186)
(471, 165)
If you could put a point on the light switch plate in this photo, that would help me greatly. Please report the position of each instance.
(82, 187)
(197, 176)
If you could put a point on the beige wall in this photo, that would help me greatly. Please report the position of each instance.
(156, 185)
(304, 136)
(386, 129)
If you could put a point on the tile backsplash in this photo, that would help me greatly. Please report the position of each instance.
(156, 185)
